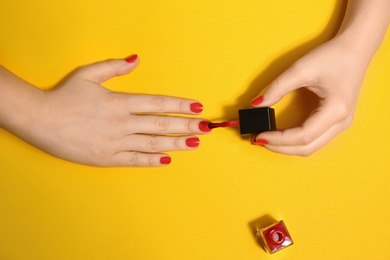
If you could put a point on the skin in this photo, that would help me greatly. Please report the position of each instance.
(83, 122)
(334, 71)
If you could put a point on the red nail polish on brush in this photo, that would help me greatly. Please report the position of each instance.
(252, 121)
(204, 126)
(131, 58)
(225, 124)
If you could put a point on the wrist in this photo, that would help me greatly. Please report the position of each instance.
(355, 48)
(20, 103)
(364, 27)
(361, 45)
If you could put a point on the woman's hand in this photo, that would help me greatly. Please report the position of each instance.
(83, 122)
(334, 72)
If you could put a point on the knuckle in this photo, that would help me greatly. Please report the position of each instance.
(274, 86)
(188, 126)
(177, 143)
(342, 112)
(348, 122)
(152, 143)
(158, 104)
(304, 151)
(134, 160)
(149, 161)
(139, 159)
(182, 106)
(307, 137)
(113, 67)
(162, 124)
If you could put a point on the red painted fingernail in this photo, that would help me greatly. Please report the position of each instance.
(196, 107)
(204, 126)
(260, 142)
(192, 142)
(165, 160)
(257, 101)
(131, 58)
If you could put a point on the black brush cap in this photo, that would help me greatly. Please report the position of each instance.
(256, 120)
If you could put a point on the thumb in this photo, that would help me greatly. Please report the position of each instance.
(104, 70)
(287, 82)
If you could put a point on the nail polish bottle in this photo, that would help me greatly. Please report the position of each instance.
(256, 120)
(275, 237)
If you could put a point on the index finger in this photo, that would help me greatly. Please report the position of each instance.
(161, 104)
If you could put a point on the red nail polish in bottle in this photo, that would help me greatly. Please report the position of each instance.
(275, 237)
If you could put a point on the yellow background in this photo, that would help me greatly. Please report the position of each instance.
(205, 205)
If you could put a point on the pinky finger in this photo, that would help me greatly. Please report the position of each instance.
(137, 159)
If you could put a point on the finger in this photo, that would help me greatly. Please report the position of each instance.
(157, 144)
(161, 104)
(290, 80)
(306, 150)
(167, 125)
(136, 159)
(315, 126)
(104, 70)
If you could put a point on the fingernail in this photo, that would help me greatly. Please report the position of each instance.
(192, 142)
(260, 142)
(257, 101)
(131, 58)
(204, 126)
(165, 160)
(196, 107)
(253, 139)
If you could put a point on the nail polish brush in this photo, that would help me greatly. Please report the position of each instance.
(251, 121)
